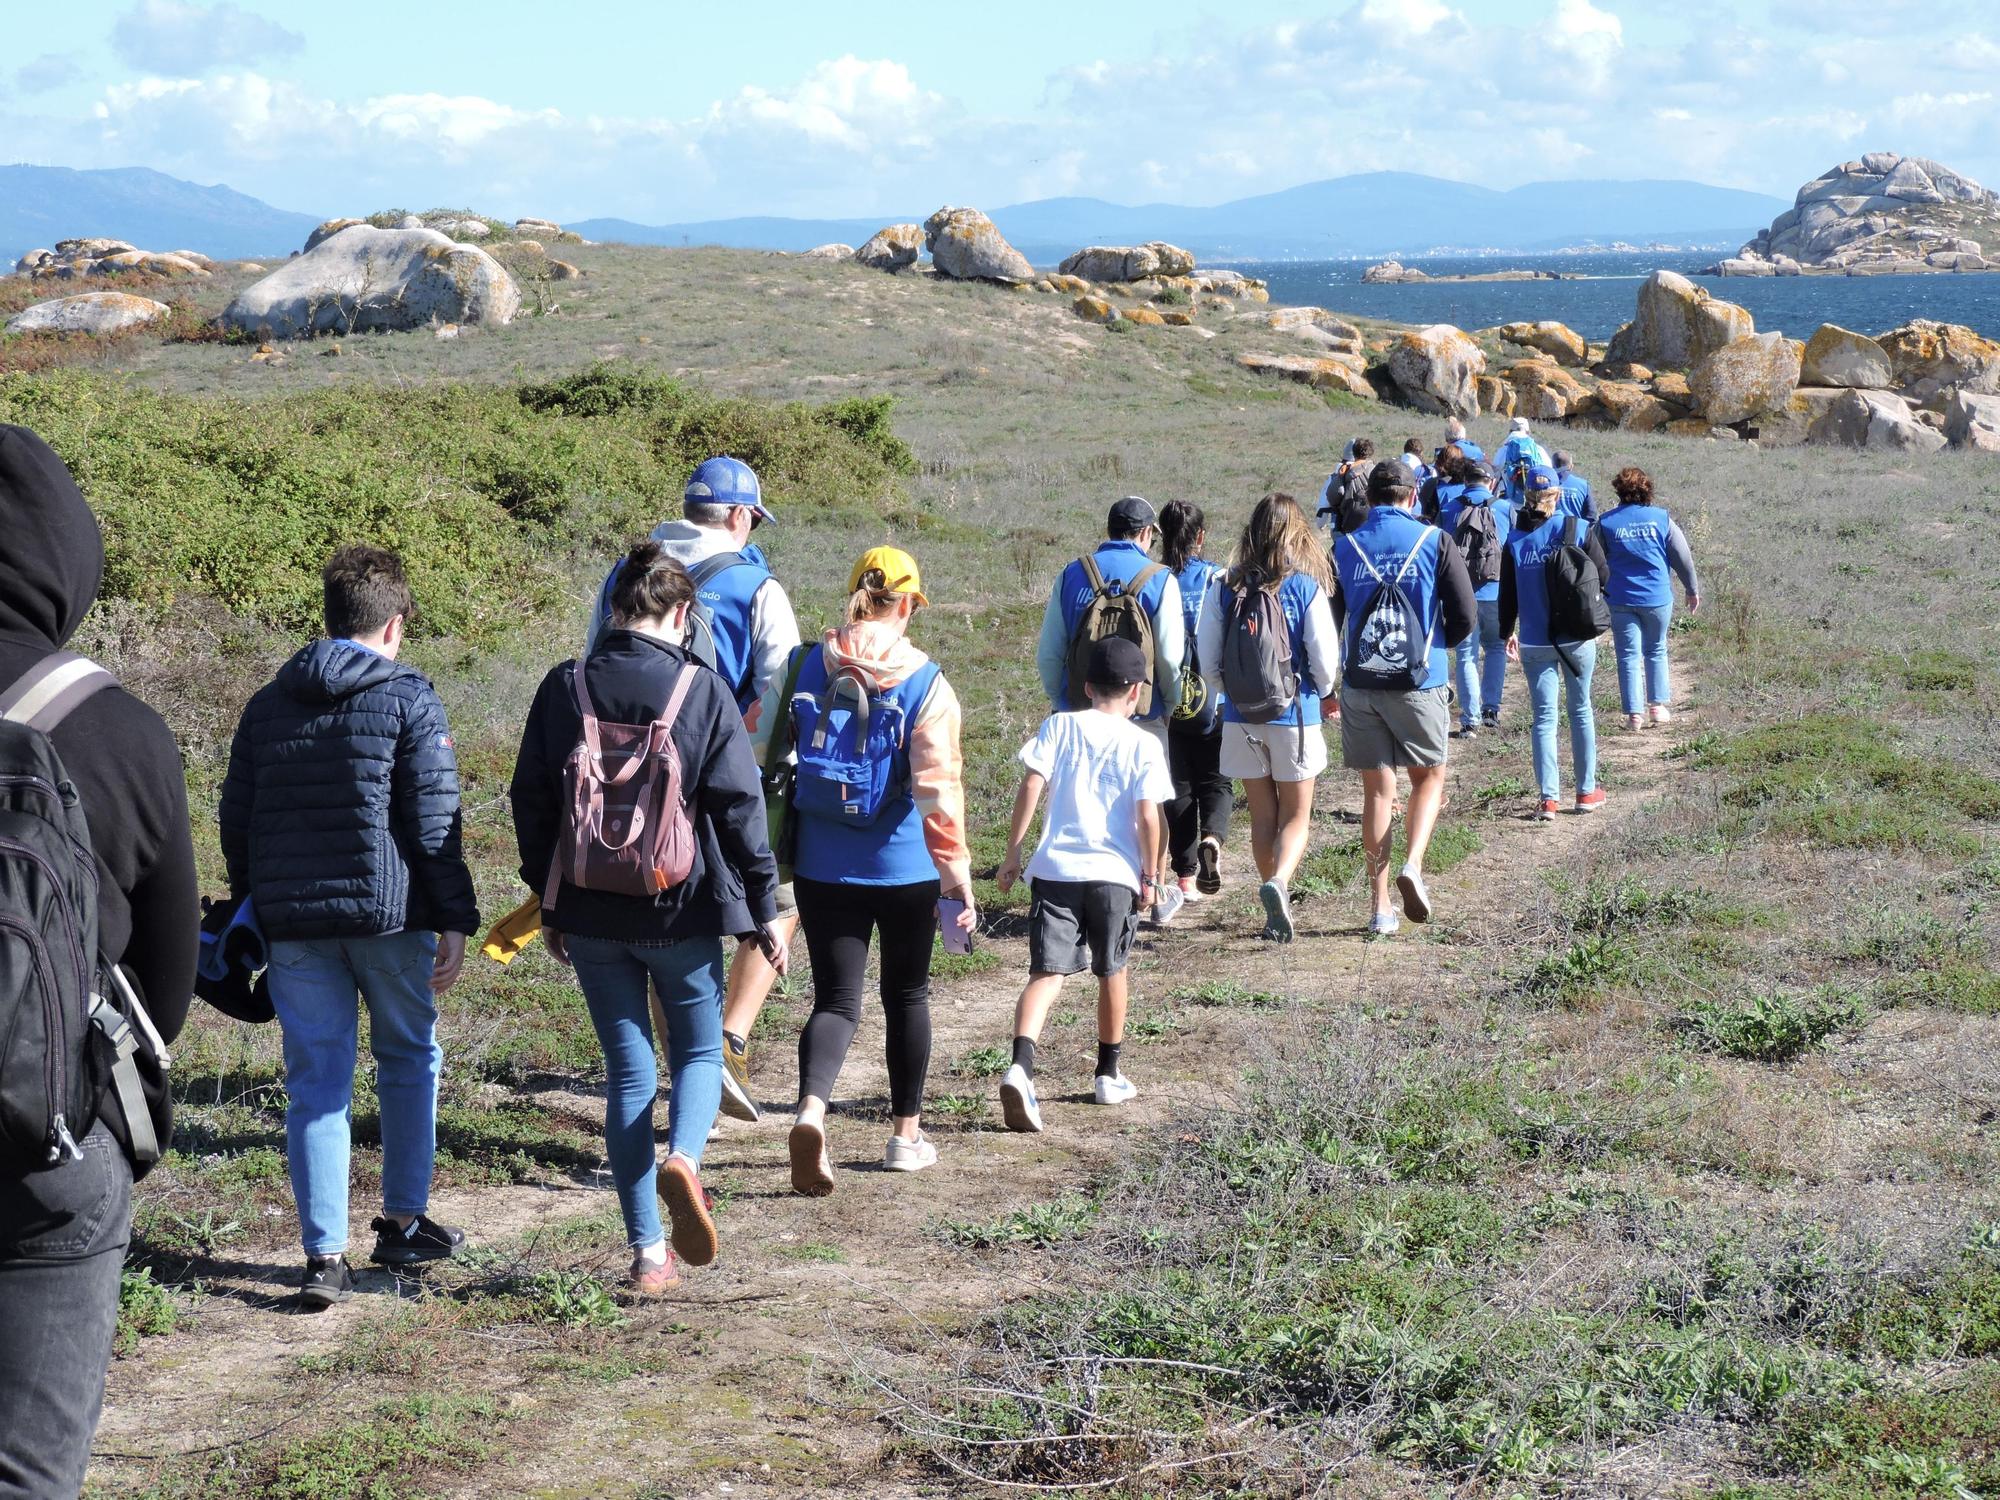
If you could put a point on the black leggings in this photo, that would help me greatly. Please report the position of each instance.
(838, 921)
(1202, 794)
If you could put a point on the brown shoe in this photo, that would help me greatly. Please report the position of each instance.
(649, 1280)
(812, 1173)
(693, 1232)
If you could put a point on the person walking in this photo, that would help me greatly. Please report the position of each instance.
(1106, 780)
(1270, 651)
(340, 822)
(65, 1225)
(1447, 479)
(1516, 456)
(1645, 550)
(1478, 522)
(742, 625)
(1556, 656)
(1455, 437)
(1577, 499)
(1343, 501)
(1198, 817)
(639, 735)
(899, 873)
(1402, 589)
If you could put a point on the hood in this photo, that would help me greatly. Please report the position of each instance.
(1475, 494)
(328, 671)
(880, 652)
(688, 543)
(53, 561)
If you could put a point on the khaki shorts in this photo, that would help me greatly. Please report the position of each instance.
(1381, 729)
(1283, 752)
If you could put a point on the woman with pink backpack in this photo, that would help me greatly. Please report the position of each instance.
(640, 816)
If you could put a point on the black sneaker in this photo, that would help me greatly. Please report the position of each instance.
(426, 1239)
(1466, 732)
(1489, 718)
(327, 1281)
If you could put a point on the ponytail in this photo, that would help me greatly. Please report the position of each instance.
(1181, 523)
(873, 599)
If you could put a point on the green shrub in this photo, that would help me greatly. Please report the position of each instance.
(1774, 1027)
(145, 1308)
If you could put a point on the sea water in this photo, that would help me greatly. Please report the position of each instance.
(1604, 296)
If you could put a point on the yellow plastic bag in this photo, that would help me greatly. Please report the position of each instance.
(513, 932)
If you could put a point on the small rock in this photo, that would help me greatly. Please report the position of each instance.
(833, 251)
(88, 312)
(892, 248)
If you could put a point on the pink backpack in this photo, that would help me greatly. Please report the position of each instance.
(625, 826)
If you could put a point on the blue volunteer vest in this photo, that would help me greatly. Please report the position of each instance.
(1201, 587)
(1635, 545)
(1531, 550)
(1576, 499)
(890, 851)
(1386, 537)
(1295, 597)
(1503, 520)
(1119, 562)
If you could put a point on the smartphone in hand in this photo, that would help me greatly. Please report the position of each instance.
(957, 939)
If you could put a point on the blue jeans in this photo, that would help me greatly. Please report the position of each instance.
(1480, 683)
(689, 976)
(1550, 679)
(313, 989)
(1640, 634)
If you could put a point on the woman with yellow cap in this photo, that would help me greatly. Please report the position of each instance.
(879, 806)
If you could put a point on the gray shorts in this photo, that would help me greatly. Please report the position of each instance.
(1076, 924)
(1382, 729)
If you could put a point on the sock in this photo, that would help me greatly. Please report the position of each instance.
(736, 1043)
(654, 1254)
(1107, 1059)
(1024, 1054)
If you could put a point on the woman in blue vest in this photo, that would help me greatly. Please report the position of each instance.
(1558, 672)
(1278, 759)
(1198, 817)
(1647, 551)
(1481, 658)
(888, 875)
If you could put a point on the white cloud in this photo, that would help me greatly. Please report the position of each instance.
(172, 36)
(1590, 38)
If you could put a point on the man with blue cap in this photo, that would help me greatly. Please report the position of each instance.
(742, 624)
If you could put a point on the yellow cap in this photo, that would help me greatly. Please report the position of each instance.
(896, 566)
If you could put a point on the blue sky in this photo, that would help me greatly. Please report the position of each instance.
(672, 111)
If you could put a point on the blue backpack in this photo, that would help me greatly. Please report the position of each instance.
(1391, 646)
(852, 745)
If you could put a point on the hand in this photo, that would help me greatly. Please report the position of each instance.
(772, 943)
(557, 944)
(1694, 603)
(450, 959)
(1009, 871)
(968, 918)
(1513, 648)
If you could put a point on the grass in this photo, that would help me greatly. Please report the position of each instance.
(1774, 1027)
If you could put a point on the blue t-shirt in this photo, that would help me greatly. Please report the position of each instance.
(1503, 522)
(1635, 541)
(1399, 546)
(1576, 499)
(1531, 550)
(1295, 596)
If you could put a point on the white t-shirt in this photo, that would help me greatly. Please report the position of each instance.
(1099, 768)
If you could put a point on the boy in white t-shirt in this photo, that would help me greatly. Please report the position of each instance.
(1106, 779)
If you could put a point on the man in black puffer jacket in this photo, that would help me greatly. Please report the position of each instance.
(340, 821)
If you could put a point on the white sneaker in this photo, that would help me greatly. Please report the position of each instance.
(1018, 1105)
(1277, 911)
(908, 1156)
(1117, 1089)
(1416, 899)
(1167, 904)
(1384, 924)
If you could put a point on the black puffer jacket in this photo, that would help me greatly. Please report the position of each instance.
(340, 815)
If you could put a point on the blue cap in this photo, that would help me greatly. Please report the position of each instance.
(726, 481)
(1542, 477)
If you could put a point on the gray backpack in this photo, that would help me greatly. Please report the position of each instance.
(1258, 675)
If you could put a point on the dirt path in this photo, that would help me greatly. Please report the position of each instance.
(743, 1381)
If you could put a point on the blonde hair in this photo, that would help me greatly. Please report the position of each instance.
(1277, 542)
(874, 599)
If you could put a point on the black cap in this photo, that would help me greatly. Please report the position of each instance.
(1131, 515)
(1117, 663)
(1388, 480)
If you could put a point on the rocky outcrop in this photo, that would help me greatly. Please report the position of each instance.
(1231, 284)
(1321, 374)
(1744, 377)
(1973, 421)
(1836, 356)
(90, 312)
(1557, 340)
(1544, 390)
(1129, 262)
(893, 248)
(1435, 368)
(965, 245)
(73, 260)
(362, 278)
(327, 231)
(1882, 213)
(1389, 271)
(834, 251)
(1677, 325)
(1929, 359)
(1874, 419)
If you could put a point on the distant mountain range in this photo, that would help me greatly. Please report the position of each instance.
(40, 205)
(1375, 213)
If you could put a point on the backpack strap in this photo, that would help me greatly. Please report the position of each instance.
(710, 568)
(1569, 531)
(1096, 575)
(1136, 584)
(862, 710)
(48, 691)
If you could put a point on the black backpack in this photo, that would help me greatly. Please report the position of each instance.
(74, 1040)
(1344, 503)
(1390, 648)
(1577, 611)
(1478, 538)
(1257, 671)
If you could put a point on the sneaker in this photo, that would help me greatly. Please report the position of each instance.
(1208, 866)
(737, 1101)
(693, 1231)
(1277, 911)
(1189, 890)
(1167, 904)
(1661, 714)
(1416, 899)
(1466, 732)
(1384, 924)
(326, 1281)
(1549, 808)
(425, 1239)
(651, 1278)
(908, 1156)
(1018, 1105)
(1634, 723)
(1115, 1089)
(812, 1173)
(1590, 801)
(1489, 718)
